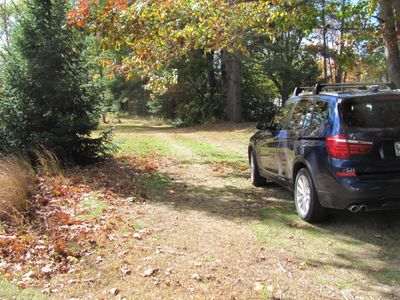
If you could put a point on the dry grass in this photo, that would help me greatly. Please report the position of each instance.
(48, 163)
(16, 182)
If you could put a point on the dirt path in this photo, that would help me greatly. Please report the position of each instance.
(205, 233)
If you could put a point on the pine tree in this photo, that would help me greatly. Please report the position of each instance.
(47, 98)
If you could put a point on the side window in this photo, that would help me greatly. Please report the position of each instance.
(281, 116)
(320, 116)
(300, 116)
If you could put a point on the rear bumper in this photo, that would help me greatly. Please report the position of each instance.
(342, 192)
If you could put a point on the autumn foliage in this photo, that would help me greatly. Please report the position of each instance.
(61, 229)
(156, 32)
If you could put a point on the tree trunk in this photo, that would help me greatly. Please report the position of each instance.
(104, 118)
(392, 53)
(212, 83)
(396, 6)
(339, 61)
(232, 74)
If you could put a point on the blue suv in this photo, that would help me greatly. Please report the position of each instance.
(335, 147)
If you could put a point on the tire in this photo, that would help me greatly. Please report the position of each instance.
(255, 178)
(306, 199)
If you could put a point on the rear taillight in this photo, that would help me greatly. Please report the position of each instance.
(339, 146)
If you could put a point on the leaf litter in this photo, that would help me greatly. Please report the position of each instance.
(57, 240)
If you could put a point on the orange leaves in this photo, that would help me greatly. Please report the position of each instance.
(58, 191)
(59, 238)
(62, 250)
(80, 23)
(64, 218)
(86, 11)
(4, 239)
(82, 11)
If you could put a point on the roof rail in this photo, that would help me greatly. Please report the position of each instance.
(299, 89)
(363, 86)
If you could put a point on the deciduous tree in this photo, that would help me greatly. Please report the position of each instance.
(390, 20)
(158, 32)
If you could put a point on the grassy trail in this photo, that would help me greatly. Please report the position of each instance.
(203, 232)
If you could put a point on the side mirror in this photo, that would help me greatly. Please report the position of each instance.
(278, 127)
(262, 125)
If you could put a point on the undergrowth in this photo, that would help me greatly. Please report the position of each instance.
(19, 181)
(16, 184)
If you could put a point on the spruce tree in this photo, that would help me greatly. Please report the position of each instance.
(47, 98)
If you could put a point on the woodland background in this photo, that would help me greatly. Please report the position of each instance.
(190, 62)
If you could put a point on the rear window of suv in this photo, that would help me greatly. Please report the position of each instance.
(371, 112)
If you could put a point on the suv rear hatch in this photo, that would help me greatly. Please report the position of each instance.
(373, 122)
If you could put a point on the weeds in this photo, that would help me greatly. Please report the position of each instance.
(47, 163)
(16, 183)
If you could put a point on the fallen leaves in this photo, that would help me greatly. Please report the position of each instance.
(7, 239)
(58, 238)
(115, 291)
(137, 236)
(125, 271)
(197, 277)
(150, 272)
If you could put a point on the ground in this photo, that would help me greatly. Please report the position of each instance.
(184, 222)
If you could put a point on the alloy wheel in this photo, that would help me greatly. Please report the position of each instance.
(303, 195)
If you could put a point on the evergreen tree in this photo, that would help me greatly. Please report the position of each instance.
(47, 98)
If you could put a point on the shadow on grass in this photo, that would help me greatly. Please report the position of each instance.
(362, 245)
(367, 244)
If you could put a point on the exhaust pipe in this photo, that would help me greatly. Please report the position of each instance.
(354, 208)
(363, 208)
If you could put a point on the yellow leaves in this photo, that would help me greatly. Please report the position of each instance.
(155, 33)
(117, 46)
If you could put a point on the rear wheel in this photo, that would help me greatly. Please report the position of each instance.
(306, 199)
(255, 177)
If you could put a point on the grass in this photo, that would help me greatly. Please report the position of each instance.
(154, 184)
(9, 290)
(331, 245)
(16, 182)
(48, 164)
(92, 207)
(147, 136)
(200, 208)
(210, 152)
(142, 145)
(329, 248)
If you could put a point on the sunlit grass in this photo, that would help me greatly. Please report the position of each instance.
(142, 145)
(9, 290)
(92, 207)
(209, 152)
